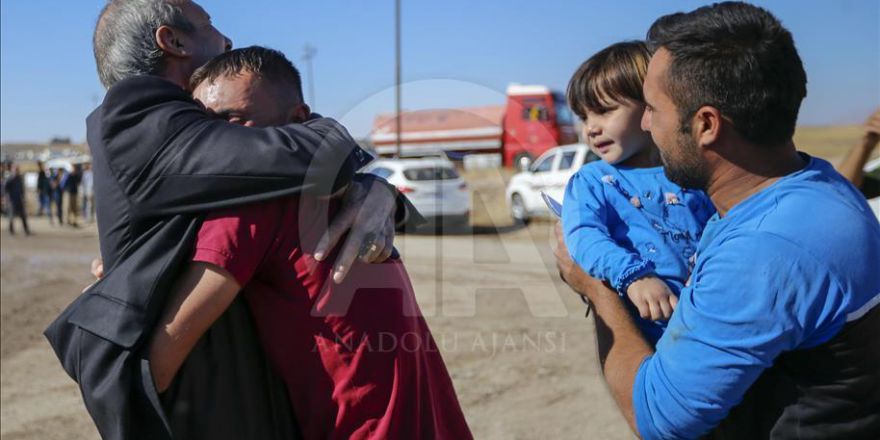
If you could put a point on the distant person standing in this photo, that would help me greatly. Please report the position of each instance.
(2, 190)
(71, 187)
(56, 190)
(13, 187)
(88, 193)
(44, 190)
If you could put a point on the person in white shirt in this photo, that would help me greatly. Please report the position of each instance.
(88, 194)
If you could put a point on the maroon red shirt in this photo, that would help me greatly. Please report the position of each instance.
(358, 358)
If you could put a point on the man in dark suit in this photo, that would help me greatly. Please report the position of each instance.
(159, 161)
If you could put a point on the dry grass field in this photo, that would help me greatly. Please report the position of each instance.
(828, 142)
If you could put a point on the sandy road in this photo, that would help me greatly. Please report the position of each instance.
(520, 352)
(40, 275)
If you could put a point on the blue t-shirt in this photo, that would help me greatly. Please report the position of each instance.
(621, 224)
(785, 269)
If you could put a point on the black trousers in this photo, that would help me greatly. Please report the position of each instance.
(18, 211)
(252, 405)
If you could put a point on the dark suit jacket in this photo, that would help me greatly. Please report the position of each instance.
(159, 160)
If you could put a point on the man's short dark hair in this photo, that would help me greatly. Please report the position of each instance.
(615, 73)
(739, 59)
(269, 64)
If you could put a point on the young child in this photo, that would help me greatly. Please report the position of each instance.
(624, 221)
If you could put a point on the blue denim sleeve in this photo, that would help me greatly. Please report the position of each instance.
(752, 298)
(585, 225)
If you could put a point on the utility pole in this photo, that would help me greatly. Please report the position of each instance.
(397, 69)
(309, 53)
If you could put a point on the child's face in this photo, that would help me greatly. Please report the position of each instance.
(615, 133)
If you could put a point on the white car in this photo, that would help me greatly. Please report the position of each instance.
(432, 185)
(549, 173)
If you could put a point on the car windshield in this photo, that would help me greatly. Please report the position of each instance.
(430, 173)
(543, 165)
(382, 172)
(567, 160)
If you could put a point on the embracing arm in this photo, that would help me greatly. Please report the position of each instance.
(622, 348)
(621, 345)
(170, 156)
(732, 323)
(720, 339)
(199, 296)
(213, 164)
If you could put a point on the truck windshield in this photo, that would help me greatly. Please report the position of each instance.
(563, 113)
(534, 110)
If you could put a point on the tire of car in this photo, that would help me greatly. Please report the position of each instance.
(455, 224)
(464, 222)
(518, 210)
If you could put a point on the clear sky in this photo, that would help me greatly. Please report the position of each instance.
(455, 52)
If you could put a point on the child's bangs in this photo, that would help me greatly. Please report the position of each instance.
(613, 75)
(619, 82)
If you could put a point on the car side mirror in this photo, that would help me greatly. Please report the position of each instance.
(525, 164)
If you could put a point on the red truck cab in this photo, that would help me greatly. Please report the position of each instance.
(533, 120)
(536, 119)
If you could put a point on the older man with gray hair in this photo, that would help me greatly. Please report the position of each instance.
(160, 160)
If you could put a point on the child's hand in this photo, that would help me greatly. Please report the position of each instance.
(652, 297)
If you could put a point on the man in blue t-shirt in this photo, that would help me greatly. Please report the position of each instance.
(775, 334)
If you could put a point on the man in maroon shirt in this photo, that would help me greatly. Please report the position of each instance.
(356, 355)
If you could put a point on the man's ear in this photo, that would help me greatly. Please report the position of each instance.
(706, 125)
(171, 42)
(300, 113)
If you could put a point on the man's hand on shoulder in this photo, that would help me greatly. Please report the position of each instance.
(621, 345)
(367, 214)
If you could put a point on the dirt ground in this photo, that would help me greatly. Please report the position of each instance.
(515, 340)
(40, 275)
